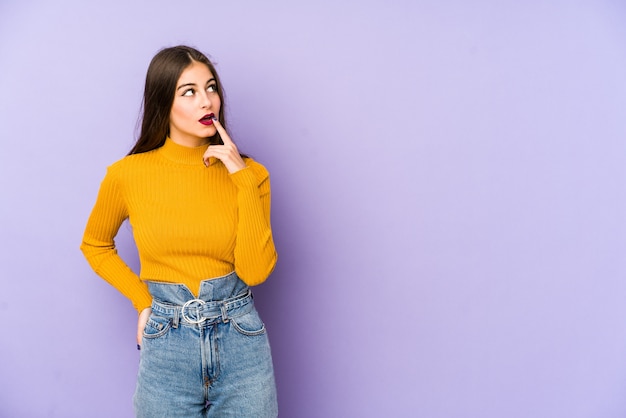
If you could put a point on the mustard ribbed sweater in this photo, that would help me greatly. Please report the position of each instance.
(190, 222)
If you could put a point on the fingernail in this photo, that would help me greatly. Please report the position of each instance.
(213, 117)
(138, 347)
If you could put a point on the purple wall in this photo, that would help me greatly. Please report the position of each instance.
(449, 199)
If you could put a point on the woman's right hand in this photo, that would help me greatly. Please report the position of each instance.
(141, 324)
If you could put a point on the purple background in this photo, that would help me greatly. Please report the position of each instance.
(448, 199)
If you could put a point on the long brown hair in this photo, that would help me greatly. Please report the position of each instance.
(158, 95)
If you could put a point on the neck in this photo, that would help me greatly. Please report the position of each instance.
(190, 142)
(182, 154)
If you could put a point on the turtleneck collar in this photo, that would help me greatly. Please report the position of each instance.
(182, 154)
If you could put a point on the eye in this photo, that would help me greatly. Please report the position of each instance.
(212, 88)
(189, 92)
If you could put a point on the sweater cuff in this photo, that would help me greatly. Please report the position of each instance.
(142, 302)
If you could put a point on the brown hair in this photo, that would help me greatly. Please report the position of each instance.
(158, 96)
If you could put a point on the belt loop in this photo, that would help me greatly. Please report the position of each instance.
(176, 318)
(224, 313)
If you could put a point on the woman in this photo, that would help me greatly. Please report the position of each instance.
(200, 213)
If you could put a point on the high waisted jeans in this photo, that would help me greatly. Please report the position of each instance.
(205, 357)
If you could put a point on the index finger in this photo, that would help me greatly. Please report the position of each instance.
(223, 134)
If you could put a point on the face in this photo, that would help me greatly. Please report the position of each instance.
(195, 101)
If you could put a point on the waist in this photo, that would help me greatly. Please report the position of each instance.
(191, 274)
(214, 289)
(220, 297)
(196, 311)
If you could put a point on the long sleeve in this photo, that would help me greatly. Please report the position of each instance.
(255, 254)
(98, 243)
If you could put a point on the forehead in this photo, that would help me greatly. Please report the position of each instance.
(195, 73)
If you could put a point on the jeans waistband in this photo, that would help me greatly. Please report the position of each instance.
(197, 311)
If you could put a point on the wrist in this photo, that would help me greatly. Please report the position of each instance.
(145, 311)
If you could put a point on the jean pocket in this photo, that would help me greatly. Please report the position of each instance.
(157, 326)
(249, 324)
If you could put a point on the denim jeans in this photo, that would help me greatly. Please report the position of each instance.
(205, 357)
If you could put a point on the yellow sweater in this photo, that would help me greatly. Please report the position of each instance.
(190, 222)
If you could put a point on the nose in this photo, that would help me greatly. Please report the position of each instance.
(205, 100)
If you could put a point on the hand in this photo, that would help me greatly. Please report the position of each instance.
(141, 324)
(227, 153)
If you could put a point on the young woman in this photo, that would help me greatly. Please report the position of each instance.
(200, 213)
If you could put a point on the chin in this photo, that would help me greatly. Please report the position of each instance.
(209, 132)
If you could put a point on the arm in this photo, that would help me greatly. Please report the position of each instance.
(98, 244)
(255, 254)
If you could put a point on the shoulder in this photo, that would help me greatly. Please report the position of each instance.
(130, 164)
(128, 170)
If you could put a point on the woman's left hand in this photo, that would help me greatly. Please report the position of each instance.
(141, 324)
(227, 153)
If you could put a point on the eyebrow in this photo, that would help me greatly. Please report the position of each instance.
(192, 84)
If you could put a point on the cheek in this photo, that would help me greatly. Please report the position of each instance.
(177, 115)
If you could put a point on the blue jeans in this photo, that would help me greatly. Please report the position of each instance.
(205, 357)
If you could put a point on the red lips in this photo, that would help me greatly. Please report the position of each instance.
(207, 119)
